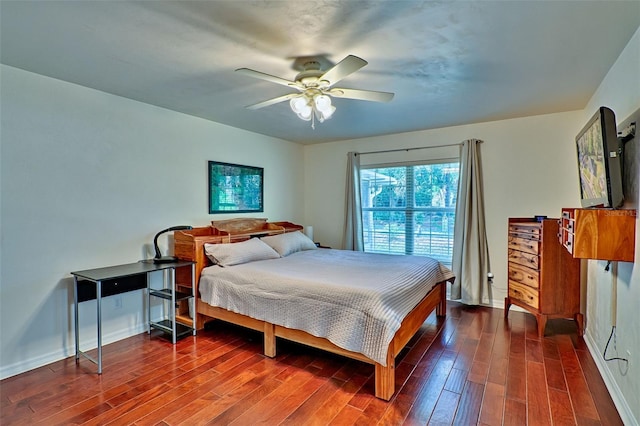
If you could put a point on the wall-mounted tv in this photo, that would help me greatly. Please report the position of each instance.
(599, 158)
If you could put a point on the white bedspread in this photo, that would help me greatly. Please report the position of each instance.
(355, 300)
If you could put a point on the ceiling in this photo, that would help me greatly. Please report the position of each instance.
(448, 63)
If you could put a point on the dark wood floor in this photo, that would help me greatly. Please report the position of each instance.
(471, 368)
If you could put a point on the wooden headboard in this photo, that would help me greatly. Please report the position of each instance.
(189, 244)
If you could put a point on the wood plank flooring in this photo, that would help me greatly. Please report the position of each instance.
(474, 367)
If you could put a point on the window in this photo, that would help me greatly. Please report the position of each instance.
(410, 209)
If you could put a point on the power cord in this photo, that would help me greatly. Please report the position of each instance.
(604, 354)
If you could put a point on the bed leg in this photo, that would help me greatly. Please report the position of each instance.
(269, 340)
(200, 320)
(441, 309)
(386, 377)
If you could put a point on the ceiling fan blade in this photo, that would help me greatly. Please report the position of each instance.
(363, 95)
(273, 101)
(342, 69)
(268, 77)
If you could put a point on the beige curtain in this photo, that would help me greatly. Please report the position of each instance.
(353, 239)
(470, 249)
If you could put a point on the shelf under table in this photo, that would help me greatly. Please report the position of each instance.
(165, 325)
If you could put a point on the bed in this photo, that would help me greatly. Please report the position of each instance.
(369, 314)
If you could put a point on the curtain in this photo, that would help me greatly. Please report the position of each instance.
(470, 250)
(353, 239)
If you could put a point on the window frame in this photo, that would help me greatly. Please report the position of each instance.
(410, 210)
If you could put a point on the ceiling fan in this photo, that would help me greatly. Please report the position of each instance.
(315, 88)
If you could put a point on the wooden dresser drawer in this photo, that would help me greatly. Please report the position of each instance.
(525, 259)
(526, 230)
(524, 294)
(522, 274)
(523, 244)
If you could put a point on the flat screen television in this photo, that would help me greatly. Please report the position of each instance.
(599, 161)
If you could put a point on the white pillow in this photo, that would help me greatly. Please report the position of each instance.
(290, 242)
(236, 253)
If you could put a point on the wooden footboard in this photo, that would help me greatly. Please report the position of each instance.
(384, 375)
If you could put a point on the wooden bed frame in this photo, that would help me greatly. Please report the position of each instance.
(189, 245)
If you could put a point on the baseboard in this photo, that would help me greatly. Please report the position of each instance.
(499, 304)
(614, 390)
(42, 360)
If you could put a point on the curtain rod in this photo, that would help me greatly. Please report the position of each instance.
(408, 149)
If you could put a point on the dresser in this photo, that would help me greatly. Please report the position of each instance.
(543, 278)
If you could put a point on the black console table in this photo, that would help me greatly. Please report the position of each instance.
(101, 282)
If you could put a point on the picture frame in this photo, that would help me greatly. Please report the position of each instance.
(235, 188)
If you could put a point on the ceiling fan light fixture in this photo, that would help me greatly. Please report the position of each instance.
(323, 102)
(300, 104)
(306, 106)
(326, 113)
(323, 108)
(306, 114)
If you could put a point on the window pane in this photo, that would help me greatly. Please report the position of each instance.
(384, 187)
(384, 232)
(436, 185)
(410, 209)
(433, 234)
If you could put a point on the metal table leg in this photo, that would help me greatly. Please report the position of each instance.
(99, 309)
(75, 316)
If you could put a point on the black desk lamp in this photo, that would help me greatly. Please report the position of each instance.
(166, 259)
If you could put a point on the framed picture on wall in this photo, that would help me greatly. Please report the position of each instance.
(234, 188)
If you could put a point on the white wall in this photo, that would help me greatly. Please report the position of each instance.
(529, 169)
(620, 91)
(87, 180)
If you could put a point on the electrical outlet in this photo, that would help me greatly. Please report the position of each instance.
(117, 302)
